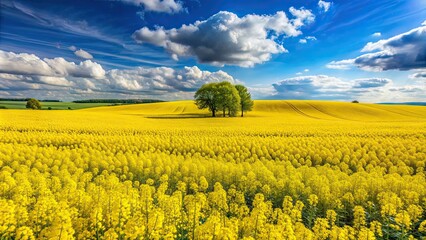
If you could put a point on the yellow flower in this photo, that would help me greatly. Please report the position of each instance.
(313, 200)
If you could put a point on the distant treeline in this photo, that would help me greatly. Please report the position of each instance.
(26, 99)
(126, 101)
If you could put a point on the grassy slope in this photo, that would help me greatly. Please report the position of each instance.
(53, 105)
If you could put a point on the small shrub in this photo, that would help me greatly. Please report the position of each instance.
(69, 108)
(33, 103)
(355, 101)
(49, 108)
(3, 107)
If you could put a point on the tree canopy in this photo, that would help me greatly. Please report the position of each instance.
(225, 97)
(33, 103)
(246, 104)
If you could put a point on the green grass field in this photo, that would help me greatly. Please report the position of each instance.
(53, 105)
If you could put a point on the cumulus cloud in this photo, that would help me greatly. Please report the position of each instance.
(23, 63)
(22, 72)
(304, 71)
(418, 75)
(83, 54)
(164, 79)
(72, 48)
(341, 65)
(261, 91)
(371, 82)
(32, 81)
(30, 64)
(323, 5)
(305, 40)
(166, 6)
(311, 87)
(376, 34)
(225, 38)
(328, 87)
(405, 51)
(85, 69)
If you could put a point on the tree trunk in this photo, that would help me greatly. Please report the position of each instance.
(229, 112)
(213, 113)
(242, 111)
(224, 112)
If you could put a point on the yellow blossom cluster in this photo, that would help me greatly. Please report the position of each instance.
(132, 172)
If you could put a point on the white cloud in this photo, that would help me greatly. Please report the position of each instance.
(87, 69)
(164, 79)
(402, 52)
(72, 48)
(34, 80)
(424, 23)
(304, 71)
(83, 54)
(167, 6)
(325, 6)
(418, 76)
(311, 87)
(371, 82)
(376, 34)
(58, 81)
(341, 65)
(333, 88)
(305, 40)
(410, 93)
(226, 39)
(31, 65)
(25, 72)
(23, 63)
(261, 91)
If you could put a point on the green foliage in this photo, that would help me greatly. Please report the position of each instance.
(225, 97)
(228, 98)
(207, 97)
(33, 103)
(3, 107)
(246, 103)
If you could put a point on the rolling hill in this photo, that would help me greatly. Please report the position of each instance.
(293, 109)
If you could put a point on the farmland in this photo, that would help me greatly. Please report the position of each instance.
(289, 170)
(52, 105)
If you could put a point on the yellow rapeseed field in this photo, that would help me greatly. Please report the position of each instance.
(289, 170)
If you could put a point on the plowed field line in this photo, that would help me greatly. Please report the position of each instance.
(407, 113)
(326, 113)
(300, 112)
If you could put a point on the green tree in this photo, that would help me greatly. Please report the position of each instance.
(246, 104)
(228, 98)
(207, 97)
(33, 103)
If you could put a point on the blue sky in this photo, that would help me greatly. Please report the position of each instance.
(373, 51)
